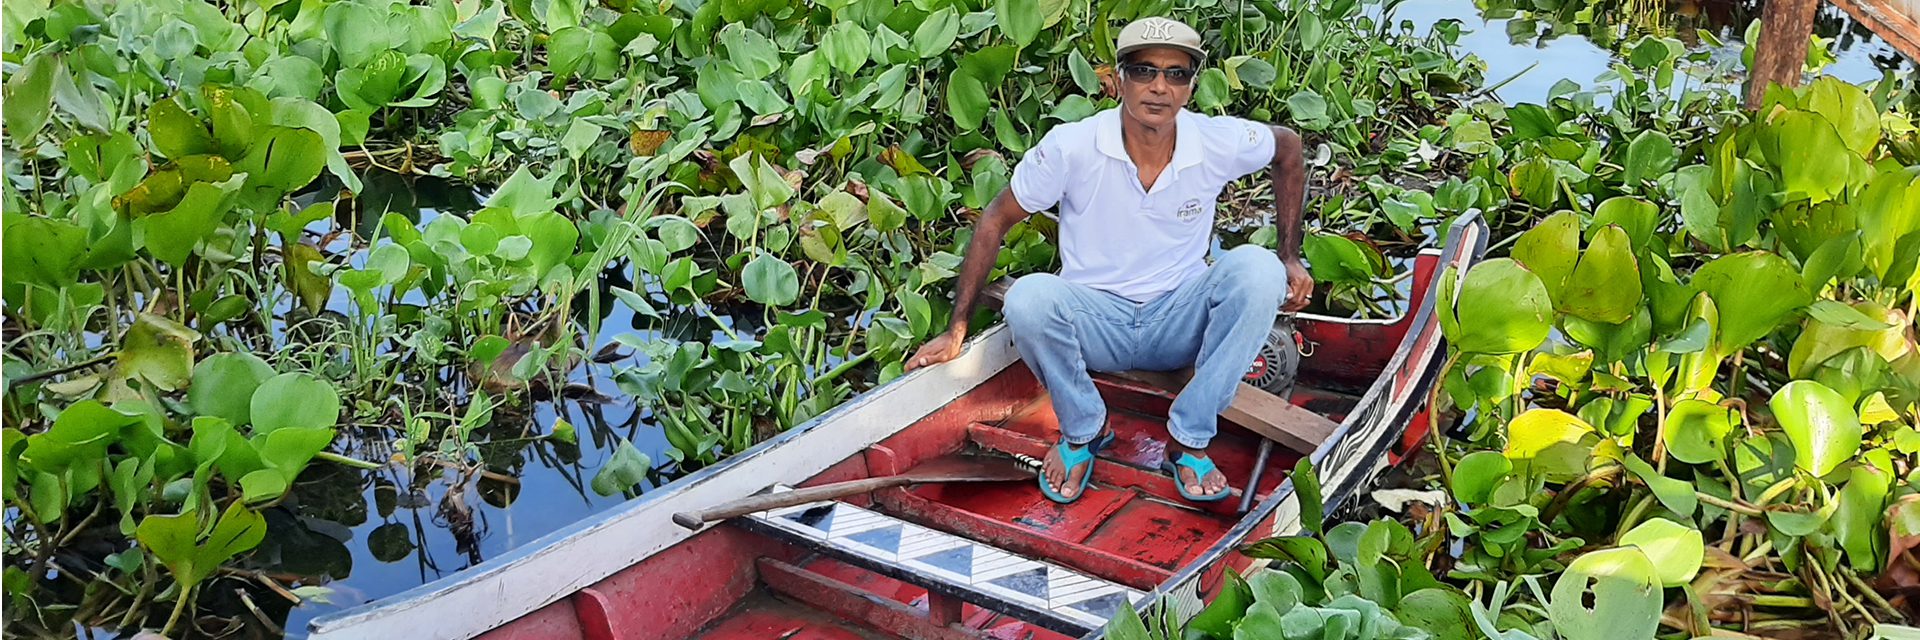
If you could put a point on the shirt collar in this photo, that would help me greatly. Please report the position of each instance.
(1186, 147)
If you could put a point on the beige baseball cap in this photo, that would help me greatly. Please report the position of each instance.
(1159, 32)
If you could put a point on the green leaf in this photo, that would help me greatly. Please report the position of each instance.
(626, 468)
(1502, 308)
(1306, 486)
(1625, 592)
(175, 133)
(1650, 155)
(1676, 550)
(1675, 495)
(1639, 218)
(1227, 608)
(1821, 340)
(1889, 218)
(356, 31)
(223, 385)
(1276, 590)
(771, 281)
(1820, 423)
(1550, 442)
(1550, 250)
(1838, 257)
(579, 138)
(991, 65)
(285, 159)
(1605, 286)
(1476, 475)
(966, 100)
(884, 214)
(1857, 521)
(937, 33)
(1210, 91)
(1253, 73)
(1309, 553)
(158, 351)
(1532, 121)
(768, 188)
(172, 236)
(293, 401)
(1813, 159)
(1020, 20)
(1535, 182)
(29, 96)
(81, 433)
(843, 210)
(1849, 110)
(176, 542)
(1127, 625)
(1839, 314)
(677, 233)
(1308, 107)
(1084, 75)
(752, 53)
(1696, 431)
(1754, 292)
(847, 47)
(1444, 612)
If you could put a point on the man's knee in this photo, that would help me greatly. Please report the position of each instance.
(1035, 299)
(1254, 271)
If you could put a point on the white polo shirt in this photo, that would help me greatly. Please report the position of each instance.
(1118, 237)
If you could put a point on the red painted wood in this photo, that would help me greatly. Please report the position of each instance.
(1022, 504)
(765, 617)
(847, 603)
(1022, 540)
(595, 611)
(680, 590)
(943, 610)
(991, 623)
(556, 621)
(1158, 534)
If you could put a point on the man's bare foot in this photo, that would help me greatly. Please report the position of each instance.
(1213, 484)
(1064, 481)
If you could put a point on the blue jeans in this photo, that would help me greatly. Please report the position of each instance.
(1214, 323)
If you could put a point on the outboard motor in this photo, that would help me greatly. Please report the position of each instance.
(1278, 363)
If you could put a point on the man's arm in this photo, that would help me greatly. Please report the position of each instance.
(1289, 176)
(982, 251)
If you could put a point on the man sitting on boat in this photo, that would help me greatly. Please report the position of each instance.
(1136, 188)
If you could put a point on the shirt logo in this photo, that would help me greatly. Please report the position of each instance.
(1157, 31)
(1189, 211)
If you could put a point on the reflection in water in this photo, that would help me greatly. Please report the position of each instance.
(1543, 48)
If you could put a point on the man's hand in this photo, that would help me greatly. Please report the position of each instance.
(1299, 287)
(941, 348)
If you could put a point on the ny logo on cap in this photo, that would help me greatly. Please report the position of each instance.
(1157, 30)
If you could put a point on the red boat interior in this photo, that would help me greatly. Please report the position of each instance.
(1130, 530)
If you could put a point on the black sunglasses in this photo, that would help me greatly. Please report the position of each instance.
(1144, 73)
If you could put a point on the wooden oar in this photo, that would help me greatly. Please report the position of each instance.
(943, 470)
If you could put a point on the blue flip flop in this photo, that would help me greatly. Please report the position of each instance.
(1074, 457)
(1200, 467)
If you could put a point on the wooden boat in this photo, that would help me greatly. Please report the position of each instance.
(951, 561)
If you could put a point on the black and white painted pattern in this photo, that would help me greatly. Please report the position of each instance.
(960, 565)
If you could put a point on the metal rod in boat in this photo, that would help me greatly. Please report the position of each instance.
(1266, 445)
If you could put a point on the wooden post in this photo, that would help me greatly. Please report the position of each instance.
(1781, 54)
